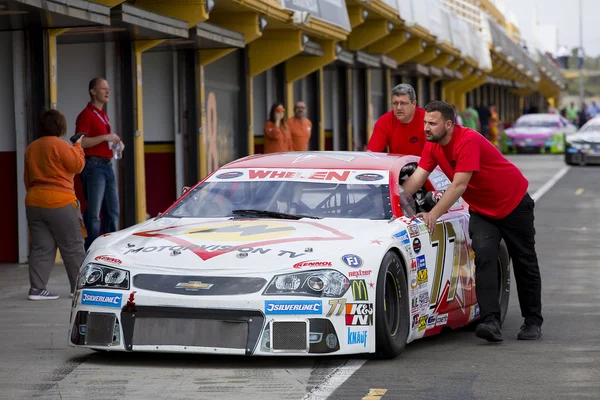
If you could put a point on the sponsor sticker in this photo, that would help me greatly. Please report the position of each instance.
(357, 337)
(313, 263)
(415, 321)
(422, 276)
(359, 272)
(417, 245)
(403, 237)
(413, 265)
(230, 175)
(369, 177)
(423, 298)
(421, 262)
(359, 290)
(359, 314)
(441, 320)
(413, 230)
(474, 312)
(352, 260)
(431, 321)
(108, 259)
(241, 231)
(293, 307)
(423, 323)
(103, 299)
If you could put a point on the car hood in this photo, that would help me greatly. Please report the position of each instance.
(591, 137)
(239, 246)
(532, 132)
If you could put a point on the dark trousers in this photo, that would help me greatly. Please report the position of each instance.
(51, 228)
(518, 231)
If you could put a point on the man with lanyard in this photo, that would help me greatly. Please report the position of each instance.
(401, 129)
(497, 211)
(98, 178)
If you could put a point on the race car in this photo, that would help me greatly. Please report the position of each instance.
(583, 147)
(310, 253)
(538, 133)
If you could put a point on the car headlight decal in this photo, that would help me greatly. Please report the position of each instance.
(102, 276)
(318, 283)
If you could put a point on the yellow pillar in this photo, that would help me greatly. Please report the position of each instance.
(321, 110)
(52, 64)
(138, 140)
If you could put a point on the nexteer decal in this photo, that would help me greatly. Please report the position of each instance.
(108, 259)
(313, 263)
(293, 307)
(358, 273)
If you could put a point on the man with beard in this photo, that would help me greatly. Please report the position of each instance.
(497, 211)
(401, 129)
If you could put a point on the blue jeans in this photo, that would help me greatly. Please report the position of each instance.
(100, 191)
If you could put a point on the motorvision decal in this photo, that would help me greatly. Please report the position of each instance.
(355, 177)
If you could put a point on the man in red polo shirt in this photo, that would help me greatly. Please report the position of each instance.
(400, 129)
(499, 207)
(97, 177)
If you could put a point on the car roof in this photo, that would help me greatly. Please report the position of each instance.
(540, 116)
(354, 160)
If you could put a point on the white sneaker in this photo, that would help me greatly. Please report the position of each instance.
(41, 294)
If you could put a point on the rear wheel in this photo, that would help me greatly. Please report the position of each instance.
(392, 317)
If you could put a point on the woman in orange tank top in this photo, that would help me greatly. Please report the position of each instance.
(277, 135)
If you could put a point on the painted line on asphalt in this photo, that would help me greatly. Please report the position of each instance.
(334, 380)
(375, 394)
(548, 185)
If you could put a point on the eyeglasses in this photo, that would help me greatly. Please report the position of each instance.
(401, 104)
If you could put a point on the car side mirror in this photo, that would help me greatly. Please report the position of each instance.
(184, 190)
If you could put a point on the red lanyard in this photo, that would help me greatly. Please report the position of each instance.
(101, 118)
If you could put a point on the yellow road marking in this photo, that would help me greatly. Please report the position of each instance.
(579, 191)
(375, 394)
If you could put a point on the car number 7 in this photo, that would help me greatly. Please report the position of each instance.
(444, 235)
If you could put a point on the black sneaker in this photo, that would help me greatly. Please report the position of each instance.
(530, 331)
(489, 330)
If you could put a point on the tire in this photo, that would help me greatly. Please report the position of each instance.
(503, 280)
(392, 316)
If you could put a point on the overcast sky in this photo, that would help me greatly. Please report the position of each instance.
(562, 14)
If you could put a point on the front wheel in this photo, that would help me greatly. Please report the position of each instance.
(392, 318)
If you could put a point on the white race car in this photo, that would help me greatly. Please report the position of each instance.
(312, 253)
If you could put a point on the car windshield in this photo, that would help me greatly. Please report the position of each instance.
(288, 193)
(536, 123)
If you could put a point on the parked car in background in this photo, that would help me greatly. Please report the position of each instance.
(538, 133)
(583, 147)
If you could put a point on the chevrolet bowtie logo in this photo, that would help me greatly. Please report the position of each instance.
(193, 285)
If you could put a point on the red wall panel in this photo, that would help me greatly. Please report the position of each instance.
(9, 234)
(160, 181)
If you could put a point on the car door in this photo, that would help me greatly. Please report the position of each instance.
(450, 267)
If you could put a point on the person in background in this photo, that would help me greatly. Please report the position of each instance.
(593, 109)
(484, 120)
(98, 178)
(572, 113)
(401, 129)
(582, 116)
(494, 122)
(277, 135)
(52, 210)
(300, 128)
(459, 120)
(497, 211)
(471, 118)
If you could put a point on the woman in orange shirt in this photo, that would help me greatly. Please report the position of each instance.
(52, 209)
(277, 135)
